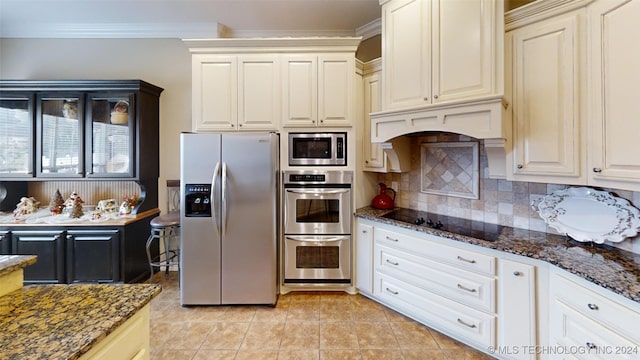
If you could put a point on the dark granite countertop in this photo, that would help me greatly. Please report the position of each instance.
(65, 321)
(609, 267)
(11, 263)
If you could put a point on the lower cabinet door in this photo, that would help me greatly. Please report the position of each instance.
(48, 246)
(93, 255)
(517, 312)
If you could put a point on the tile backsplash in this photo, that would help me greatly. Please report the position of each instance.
(501, 202)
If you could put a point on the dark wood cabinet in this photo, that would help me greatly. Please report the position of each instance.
(83, 254)
(5, 242)
(48, 246)
(92, 255)
(81, 130)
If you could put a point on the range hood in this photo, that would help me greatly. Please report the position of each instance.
(480, 119)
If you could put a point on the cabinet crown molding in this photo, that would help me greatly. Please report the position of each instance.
(540, 10)
(273, 45)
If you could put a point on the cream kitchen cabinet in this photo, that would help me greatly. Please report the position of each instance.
(235, 92)
(517, 312)
(595, 322)
(573, 118)
(437, 51)
(373, 157)
(318, 89)
(445, 287)
(614, 75)
(364, 257)
(545, 75)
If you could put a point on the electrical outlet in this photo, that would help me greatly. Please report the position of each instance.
(394, 185)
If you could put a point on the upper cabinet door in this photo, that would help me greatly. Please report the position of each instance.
(544, 60)
(214, 92)
(614, 95)
(300, 90)
(16, 135)
(438, 51)
(406, 58)
(336, 90)
(110, 135)
(59, 137)
(463, 49)
(258, 92)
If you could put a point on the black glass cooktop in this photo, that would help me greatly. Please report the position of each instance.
(466, 227)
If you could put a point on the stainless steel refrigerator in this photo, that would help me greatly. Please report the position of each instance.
(229, 218)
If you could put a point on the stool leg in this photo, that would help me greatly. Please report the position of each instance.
(148, 248)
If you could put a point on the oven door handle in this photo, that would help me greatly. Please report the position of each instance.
(322, 239)
(296, 191)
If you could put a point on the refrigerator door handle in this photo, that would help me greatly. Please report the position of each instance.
(213, 195)
(224, 198)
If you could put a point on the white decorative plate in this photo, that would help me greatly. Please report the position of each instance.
(586, 214)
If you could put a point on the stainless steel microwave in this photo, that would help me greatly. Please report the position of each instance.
(318, 149)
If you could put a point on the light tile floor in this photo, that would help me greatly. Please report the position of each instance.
(302, 325)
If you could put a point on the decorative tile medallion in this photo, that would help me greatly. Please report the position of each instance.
(450, 168)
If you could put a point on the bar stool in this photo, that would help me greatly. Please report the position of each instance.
(165, 229)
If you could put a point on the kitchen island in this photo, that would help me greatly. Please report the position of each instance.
(73, 321)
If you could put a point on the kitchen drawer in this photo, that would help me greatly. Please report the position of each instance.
(596, 306)
(464, 259)
(587, 339)
(442, 314)
(463, 286)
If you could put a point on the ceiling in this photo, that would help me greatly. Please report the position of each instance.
(184, 18)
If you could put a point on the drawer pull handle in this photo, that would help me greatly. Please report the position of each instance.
(593, 306)
(466, 260)
(591, 345)
(392, 262)
(466, 288)
(473, 326)
(391, 291)
(390, 238)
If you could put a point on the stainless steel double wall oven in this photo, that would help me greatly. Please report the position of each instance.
(317, 226)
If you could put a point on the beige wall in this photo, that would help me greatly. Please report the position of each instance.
(163, 62)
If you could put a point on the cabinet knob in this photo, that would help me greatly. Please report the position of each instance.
(313, 121)
(240, 125)
(597, 170)
(517, 273)
(435, 97)
(366, 161)
(519, 166)
(232, 125)
(364, 231)
(593, 306)
(426, 98)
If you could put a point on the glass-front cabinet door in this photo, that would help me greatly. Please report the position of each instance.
(110, 135)
(59, 135)
(16, 136)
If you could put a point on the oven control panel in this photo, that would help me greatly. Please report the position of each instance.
(306, 178)
(317, 177)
